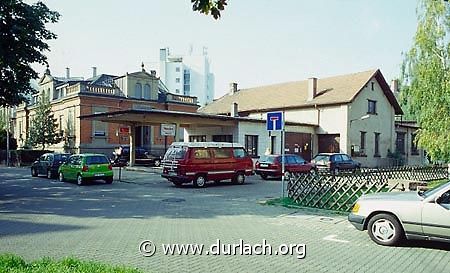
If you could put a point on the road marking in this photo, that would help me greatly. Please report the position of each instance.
(332, 238)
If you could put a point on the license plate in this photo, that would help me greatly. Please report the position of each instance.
(99, 174)
(264, 165)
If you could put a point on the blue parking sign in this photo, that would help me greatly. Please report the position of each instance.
(275, 121)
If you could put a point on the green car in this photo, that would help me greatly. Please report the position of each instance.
(84, 167)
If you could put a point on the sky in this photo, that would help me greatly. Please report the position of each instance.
(256, 42)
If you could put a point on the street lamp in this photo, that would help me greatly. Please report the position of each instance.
(361, 118)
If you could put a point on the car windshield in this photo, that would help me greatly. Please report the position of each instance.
(175, 153)
(321, 158)
(430, 192)
(267, 159)
(96, 159)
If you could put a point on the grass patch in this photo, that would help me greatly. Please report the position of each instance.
(436, 183)
(289, 203)
(10, 263)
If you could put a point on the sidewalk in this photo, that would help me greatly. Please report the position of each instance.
(157, 170)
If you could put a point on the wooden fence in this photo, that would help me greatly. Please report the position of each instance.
(340, 192)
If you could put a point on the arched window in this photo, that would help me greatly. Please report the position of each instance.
(147, 92)
(138, 91)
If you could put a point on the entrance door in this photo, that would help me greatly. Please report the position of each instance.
(329, 143)
(299, 143)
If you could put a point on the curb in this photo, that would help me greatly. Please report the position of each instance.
(155, 170)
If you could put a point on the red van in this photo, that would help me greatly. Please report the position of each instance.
(199, 162)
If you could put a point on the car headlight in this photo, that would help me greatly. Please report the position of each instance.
(356, 207)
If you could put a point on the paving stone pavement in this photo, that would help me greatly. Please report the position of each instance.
(41, 217)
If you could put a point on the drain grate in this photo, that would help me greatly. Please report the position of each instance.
(174, 200)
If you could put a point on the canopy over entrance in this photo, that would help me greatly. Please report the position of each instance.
(134, 118)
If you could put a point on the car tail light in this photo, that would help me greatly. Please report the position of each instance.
(85, 168)
(110, 166)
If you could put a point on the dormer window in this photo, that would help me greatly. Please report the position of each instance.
(147, 91)
(138, 91)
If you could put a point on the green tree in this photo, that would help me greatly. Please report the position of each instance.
(209, 6)
(426, 78)
(23, 39)
(44, 128)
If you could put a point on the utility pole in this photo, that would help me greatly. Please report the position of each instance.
(7, 135)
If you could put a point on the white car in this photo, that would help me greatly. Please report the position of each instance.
(389, 217)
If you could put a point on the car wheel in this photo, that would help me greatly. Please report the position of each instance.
(385, 229)
(61, 177)
(200, 181)
(157, 163)
(239, 179)
(263, 176)
(336, 171)
(79, 180)
(109, 180)
(34, 172)
(287, 175)
(49, 174)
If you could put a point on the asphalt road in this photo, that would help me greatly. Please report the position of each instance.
(41, 217)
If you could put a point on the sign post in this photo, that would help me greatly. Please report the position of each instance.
(167, 129)
(275, 122)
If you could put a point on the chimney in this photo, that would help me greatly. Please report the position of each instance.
(94, 71)
(234, 110)
(233, 88)
(312, 88)
(67, 72)
(394, 86)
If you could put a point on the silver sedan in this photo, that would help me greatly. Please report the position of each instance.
(389, 217)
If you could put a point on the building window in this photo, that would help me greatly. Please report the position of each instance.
(372, 107)
(177, 69)
(400, 143)
(222, 138)
(251, 145)
(61, 124)
(177, 91)
(377, 144)
(414, 150)
(147, 91)
(362, 141)
(186, 81)
(200, 138)
(177, 80)
(99, 126)
(373, 86)
(138, 91)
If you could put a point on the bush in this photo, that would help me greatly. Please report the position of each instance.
(12, 263)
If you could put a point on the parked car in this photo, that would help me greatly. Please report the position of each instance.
(199, 162)
(85, 167)
(388, 217)
(335, 162)
(270, 165)
(142, 156)
(48, 164)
